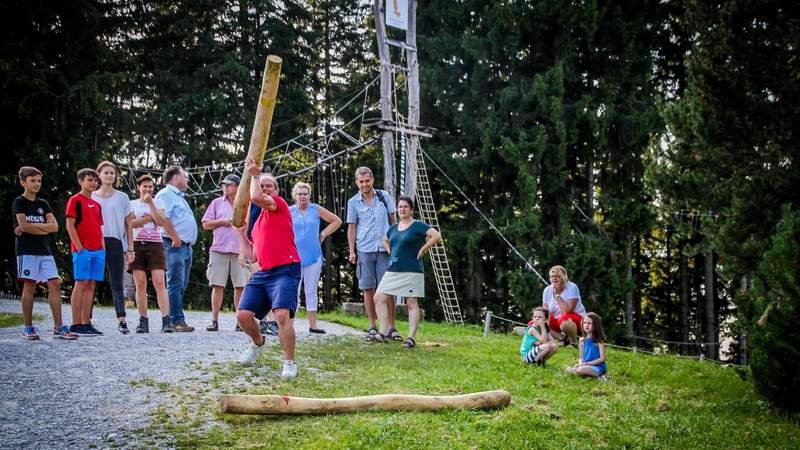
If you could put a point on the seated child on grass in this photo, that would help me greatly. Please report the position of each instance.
(537, 345)
(592, 360)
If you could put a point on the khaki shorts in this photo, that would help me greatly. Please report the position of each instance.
(403, 284)
(224, 265)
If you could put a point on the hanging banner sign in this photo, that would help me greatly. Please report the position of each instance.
(397, 13)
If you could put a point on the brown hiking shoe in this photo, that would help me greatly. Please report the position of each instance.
(182, 328)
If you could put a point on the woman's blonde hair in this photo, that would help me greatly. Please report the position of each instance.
(100, 166)
(300, 185)
(561, 272)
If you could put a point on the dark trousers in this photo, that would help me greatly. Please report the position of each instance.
(115, 262)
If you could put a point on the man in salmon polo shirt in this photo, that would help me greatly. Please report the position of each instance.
(274, 286)
(223, 256)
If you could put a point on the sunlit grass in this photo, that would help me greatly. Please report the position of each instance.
(649, 401)
(16, 320)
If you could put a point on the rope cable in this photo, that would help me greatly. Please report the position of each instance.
(528, 265)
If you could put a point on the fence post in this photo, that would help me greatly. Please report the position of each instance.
(487, 326)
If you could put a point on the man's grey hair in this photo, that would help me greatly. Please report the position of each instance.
(364, 171)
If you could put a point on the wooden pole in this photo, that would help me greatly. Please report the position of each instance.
(260, 135)
(282, 404)
(410, 187)
(488, 325)
(386, 100)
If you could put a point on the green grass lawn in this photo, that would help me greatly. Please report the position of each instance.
(15, 319)
(648, 402)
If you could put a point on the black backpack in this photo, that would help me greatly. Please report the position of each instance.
(380, 197)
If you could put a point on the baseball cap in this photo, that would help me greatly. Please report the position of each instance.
(232, 179)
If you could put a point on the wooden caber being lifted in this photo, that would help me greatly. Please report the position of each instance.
(260, 134)
(285, 405)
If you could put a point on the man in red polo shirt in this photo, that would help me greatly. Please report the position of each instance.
(274, 286)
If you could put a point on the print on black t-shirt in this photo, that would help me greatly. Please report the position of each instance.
(35, 212)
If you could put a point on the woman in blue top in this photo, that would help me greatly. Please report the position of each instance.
(592, 360)
(406, 242)
(308, 239)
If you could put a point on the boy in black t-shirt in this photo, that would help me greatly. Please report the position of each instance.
(33, 222)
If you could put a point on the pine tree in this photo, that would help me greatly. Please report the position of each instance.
(775, 337)
(56, 72)
(539, 107)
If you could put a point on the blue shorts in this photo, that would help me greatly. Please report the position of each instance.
(370, 267)
(599, 370)
(275, 288)
(89, 265)
(36, 268)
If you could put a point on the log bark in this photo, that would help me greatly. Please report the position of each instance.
(260, 135)
(282, 404)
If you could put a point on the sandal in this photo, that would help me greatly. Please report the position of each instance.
(409, 343)
(371, 333)
(382, 338)
(395, 335)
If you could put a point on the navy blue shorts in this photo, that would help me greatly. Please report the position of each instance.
(275, 288)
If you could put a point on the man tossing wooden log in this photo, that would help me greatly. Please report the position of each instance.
(260, 135)
(282, 404)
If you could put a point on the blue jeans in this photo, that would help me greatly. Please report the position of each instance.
(179, 265)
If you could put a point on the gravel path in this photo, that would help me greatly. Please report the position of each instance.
(79, 394)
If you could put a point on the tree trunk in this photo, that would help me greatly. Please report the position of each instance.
(590, 187)
(327, 250)
(327, 269)
(413, 101)
(710, 313)
(474, 290)
(629, 290)
(386, 101)
(637, 294)
(684, 296)
(743, 324)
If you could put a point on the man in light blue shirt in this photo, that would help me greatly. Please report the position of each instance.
(179, 234)
(370, 213)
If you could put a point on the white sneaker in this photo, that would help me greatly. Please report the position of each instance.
(289, 369)
(602, 378)
(249, 356)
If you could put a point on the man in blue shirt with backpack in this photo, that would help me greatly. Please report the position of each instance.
(370, 213)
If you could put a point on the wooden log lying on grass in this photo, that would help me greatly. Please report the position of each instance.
(282, 404)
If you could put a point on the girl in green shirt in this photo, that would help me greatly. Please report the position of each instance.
(537, 345)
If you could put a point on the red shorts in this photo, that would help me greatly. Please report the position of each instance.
(555, 324)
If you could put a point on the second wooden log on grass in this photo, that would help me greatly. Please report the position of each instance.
(283, 404)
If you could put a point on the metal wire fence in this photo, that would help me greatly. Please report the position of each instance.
(657, 347)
